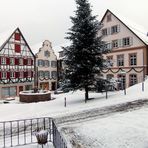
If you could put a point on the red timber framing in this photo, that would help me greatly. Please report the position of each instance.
(14, 56)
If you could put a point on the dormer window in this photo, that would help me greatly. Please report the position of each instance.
(109, 17)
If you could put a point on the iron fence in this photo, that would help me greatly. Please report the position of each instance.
(22, 132)
(58, 139)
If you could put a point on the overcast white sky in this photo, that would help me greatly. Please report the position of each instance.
(49, 19)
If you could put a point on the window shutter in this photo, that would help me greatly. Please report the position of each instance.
(17, 36)
(16, 74)
(31, 62)
(8, 75)
(118, 28)
(109, 45)
(108, 31)
(8, 61)
(24, 61)
(31, 73)
(120, 43)
(16, 61)
(43, 63)
(17, 48)
(131, 41)
(38, 62)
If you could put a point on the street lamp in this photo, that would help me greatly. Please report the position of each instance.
(123, 86)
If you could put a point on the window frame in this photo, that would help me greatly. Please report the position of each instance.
(133, 80)
(115, 42)
(133, 60)
(120, 61)
(114, 29)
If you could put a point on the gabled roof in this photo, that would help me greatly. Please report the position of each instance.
(136, 29)
(5, 37)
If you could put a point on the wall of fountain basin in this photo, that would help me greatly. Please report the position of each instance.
(31, 96)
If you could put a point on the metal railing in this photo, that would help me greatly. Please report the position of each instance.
(58, 140)
(22, 132)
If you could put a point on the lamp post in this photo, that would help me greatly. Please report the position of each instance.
(123, 86)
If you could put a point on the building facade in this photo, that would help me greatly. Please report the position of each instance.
(16, 64)
(128, 59)
(46, 64)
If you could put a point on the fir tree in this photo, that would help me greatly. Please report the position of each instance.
(83, 58)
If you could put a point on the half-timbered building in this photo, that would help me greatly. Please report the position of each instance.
(16, 64)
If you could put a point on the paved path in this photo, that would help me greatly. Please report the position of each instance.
(100, 112)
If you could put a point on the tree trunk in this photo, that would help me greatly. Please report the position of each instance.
(86, 93)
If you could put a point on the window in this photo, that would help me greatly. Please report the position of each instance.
(41, 63)
(21, 61)
(114, 29)
(110, 61)
(4, 75)
(115, 44)
(54, 74)
(133, 79)
(104, 32)
(12, 74)
(53, 64)
(29, 61)
(122, 81)
(46, 63)
(47, 74)
(120, 60)
(133, 59)
(12, 62)
(109, 18)
(108, 46)
(126, 41)
(47, 53)
(41, 74)
(3, 60)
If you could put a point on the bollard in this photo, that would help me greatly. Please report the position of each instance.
(65, 102)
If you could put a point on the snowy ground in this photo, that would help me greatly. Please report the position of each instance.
(120, 130)
(126, 130)
(75, 103)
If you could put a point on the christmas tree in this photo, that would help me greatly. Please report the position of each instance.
(83, 58)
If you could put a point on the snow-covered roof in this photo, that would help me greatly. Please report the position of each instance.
(6, 34)
(138, 30)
